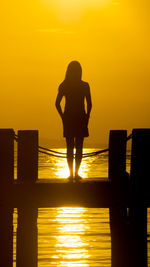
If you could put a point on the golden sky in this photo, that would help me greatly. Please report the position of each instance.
(111, 40)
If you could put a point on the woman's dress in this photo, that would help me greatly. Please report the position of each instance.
(75, 120)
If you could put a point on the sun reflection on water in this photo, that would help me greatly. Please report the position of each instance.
(74, 237)
(70, 244)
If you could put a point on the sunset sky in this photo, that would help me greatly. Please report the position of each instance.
(111, 40)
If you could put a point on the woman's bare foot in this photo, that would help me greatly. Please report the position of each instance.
(78, 178)
(70, 178)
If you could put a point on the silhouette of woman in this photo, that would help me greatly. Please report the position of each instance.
(75, 118)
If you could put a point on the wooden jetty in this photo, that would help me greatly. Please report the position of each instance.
(126, 195)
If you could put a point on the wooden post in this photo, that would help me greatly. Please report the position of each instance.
(27, 156)
(6, 212)
(140, 161)
(26, 254)
(27, 243)
(6, 156)
(118, 213)
(117, 157)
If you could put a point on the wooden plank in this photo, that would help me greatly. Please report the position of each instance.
(89, 194)
(42, 191)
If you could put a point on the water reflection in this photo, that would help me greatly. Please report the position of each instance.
(63, 235)
(72, 237)
(70, 243)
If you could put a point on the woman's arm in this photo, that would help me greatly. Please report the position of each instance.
(57, 103)
(89, 101)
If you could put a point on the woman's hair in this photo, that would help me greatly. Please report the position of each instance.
(74, 71)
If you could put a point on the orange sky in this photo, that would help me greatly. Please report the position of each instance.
(109, 38)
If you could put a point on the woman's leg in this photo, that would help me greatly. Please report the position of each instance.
(70, 147)
(78, 156)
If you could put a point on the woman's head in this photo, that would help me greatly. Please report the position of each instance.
(74, 71)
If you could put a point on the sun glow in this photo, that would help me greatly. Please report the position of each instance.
(72, 10)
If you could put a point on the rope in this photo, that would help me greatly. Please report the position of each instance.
(16, 137)
(129, 137)
(46, 153)
(61, 153)
(50, 150)
(58, 154)
(95, 153)
(83, 155)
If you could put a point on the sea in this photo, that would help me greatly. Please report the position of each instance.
(73, 236)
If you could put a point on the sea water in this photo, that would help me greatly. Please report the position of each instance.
(73, 236)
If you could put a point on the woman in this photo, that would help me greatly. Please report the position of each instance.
(75, 118)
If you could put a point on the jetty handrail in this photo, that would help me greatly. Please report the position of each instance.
(54, 153)
(83, 155)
